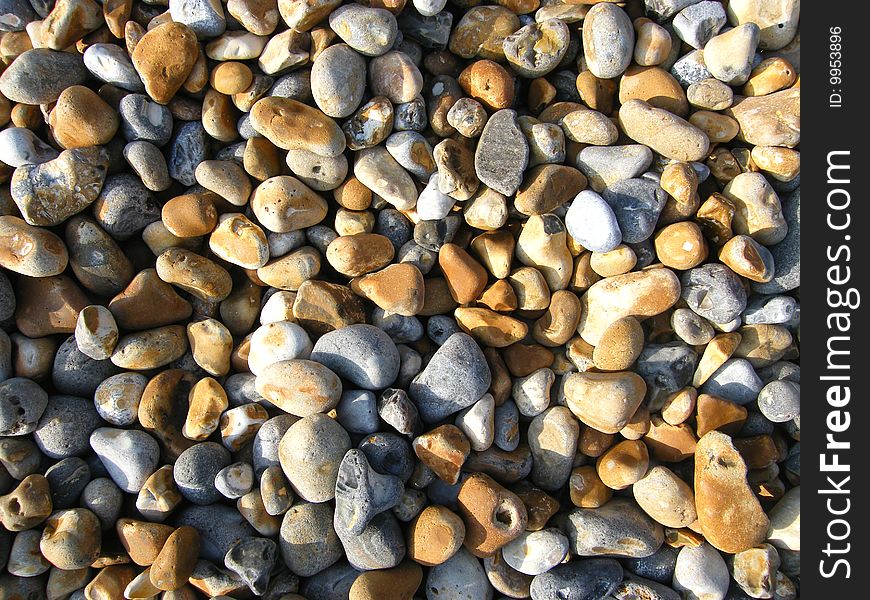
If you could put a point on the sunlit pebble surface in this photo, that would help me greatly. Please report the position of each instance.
(383, 301)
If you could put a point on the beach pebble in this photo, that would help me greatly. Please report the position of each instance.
(310, 453)
(369, 31)
(22, 403)
(460, 574)
(196, 469)
(592, 223)
(608, 40)
(502, 153)
(779, 401)
(129, 456)
(617, 528)
(597, 577)
(536, 552)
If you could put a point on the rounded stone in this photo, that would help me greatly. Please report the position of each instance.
(608, 40)
(22, 403)
(196, 469)
(338, 80)
(65, 426)
(129, 456)
(310, 454)
(362, 354)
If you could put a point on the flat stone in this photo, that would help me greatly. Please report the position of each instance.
(502, 153)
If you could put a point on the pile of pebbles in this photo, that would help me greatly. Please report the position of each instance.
(388, 300)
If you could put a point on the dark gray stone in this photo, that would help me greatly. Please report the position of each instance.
(144, 119)
(66, 425)
(125, 206)
(714, 291)
(357, 411)
(381, 545)
(77, 374)
(434, 234)
(362, 354)
(787, 253)
(440, 327)
(67, 480)
(22, 403)
(361, 493)
(38, 76)
(332, 583)
(394, 226)
(502, 153)
(668, 367)
(195, 470)
(429, 32)
(219, 527)
(253, 559)
(188, 148)
(397, 410)
(590, 579)
(619, 528)
(390, 454)
(637, 204)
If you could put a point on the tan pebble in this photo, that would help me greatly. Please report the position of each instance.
(164, 57)
(623, 464)
(69, 21)
(177, 559)
(359, 254)
(353, 195)
(499, 297)
(29, 250)
(96, 332)
(758, 451)
(52, 305)
(133, 307)
(395, 76)
(32, 358)
(715, 216)
(110, 583)
(219, 116)
(541, 93)
(444, 450)
(80, 118)
(531, 288)
(680, 181)
(239, 241)
(284, 203)
(584, 276)
(493, 515)
(190, 215)
(596, 93)
(771, 120)
(299, 387)
(748, 258)
(783, 164)
(151, 348)
(586, 488)
(681, 245)
(61, 583)
(399, 289)
(620, 345)
(28, 505)
(142, 540)
(758, 212)
(715, 354)
(770, 75)
(556, 326)
(589, 127)
(194, 274)
(763, 344)
(546, 187)
(207, 401)
(495, 251)
(198, 78)
(604, 401)
(638, 426)
(543, 244)
(653, 43)
(647, 125)
(639, 294)
(456, 172)
(261, 159)
(618, 261)
(291, 125)
(251, 507)
(669, 443)
(466, 278)
(71, 538)
(489, 83)
(489, 327)
(159, 496)
(158, 239)
(231, 77)
(284, 51)
(211, 344)
(351, 222)
(469, 39)
(240, 424)
(321, 307)
(226, 179)
(719, 128)
(399, 582)
(26, 115)
(710, 94)
(679, 406)
(163, 407)
(437, 300)
(524, 359)
(714, 413)
(666, 498)
(655, 86)
(435, 535)
(728, 512)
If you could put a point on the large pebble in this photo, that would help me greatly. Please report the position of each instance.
(608, 40)
(300, 387)
(637, 204)
(369, 31)
(362, 354)
(310, 453)
(338, 80)
(647, 125)
(129, 456)
(291, 125)
(502, 153)
(618, 528)
(38, 76)
(578, 580)
(701, 573)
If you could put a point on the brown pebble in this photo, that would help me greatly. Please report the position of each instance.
(499, 297)
(47, 305)
(231, 77)
(164, 58)
(355, 255)
(489, 83)
(489, 327)
(399, 289)
(680, 245)
(321, 307)
(586, 488)
(620, 345)
(28, 505)
(398, 583)
(435, 535)
(133, 307)
(466, 278)
(80, 118)
(623, 464)
(669, 443)
(525, 359)
(190, 215)
(142, 540)
(444, 450)
(177, 559)
(493, 515)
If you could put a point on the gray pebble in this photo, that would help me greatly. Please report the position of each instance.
(332, 583)
(195, 470)
(362, 354)
(410, 505)
(786, 254)
(667, 367)
(619, 528)
(361, 493)
(502, 153)
(662, 10)
(295, 85)
(441, 492)
(20, 146)
(130, 456)
(417, 255)
(143, 119)
(701, 572)
(338, 80)
(105, 499)
(188, 148)
(320, 236)
(253, 559)
(357, 411)
(308, 540)
(633, 587)
(20, 456)
(412, 363)
(235, 480)
(439, 328)
(65, 426)
(780, 401)
(781, 369)
(219, 527)
(16, 14)
(605, 165)
(410, 116)
(111, 64)
(507, 431)
(429, 32)
(637, 204)
(434, 234)
(369, 31)
(455, 378)
(552, 438)
(76, 373)
(608, 40)
(148, 163)
(401, 329)
(22, 403)
(205, 17)
(714, 291)
(395, 226)
(396, 409)
(406, 147)
(7, 297)
(735, 380)
(537, 48)
(769, 310)
(691, 327)
(756, 424)
(460, 576)
(697, 23)
(125, 206)
(390, 454)
(320, 173)
(690, 69)
(67, 479)
(38, 76)
(589, 579)
(658, 566)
